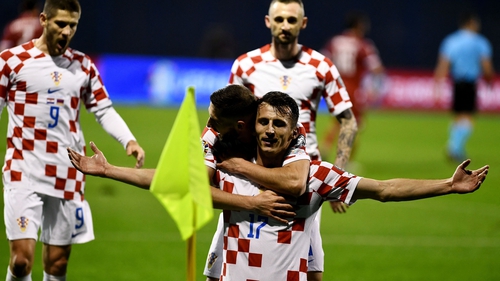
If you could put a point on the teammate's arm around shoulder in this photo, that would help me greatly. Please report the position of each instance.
(289, 179)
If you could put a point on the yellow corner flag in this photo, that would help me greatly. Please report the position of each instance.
(181, 181)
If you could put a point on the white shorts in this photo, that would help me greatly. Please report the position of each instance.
(213, 265)
(316, 259)
(62, 222)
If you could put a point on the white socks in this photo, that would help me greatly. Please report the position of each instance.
(48, 277)
(11, 277)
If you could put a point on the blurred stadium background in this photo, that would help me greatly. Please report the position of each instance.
(149, 51)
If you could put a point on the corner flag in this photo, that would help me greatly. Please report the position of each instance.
(181, 181)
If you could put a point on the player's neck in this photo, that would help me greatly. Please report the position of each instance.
(284, 51)
(41, 45)
(269, 160)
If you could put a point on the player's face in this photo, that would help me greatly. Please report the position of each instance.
(59, 30)
(274, 130)
(285, 22)
(216, 123)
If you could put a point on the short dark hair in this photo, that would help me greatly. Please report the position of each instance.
(354, 19)
(234, 102)
(466, 16)
(28, 5)
(289, 2)
(51, 6)
(283, 104)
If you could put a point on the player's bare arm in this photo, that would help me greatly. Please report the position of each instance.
(97, 165)
(462, 181)
(347, 133)
(290, 179)
(267, 203)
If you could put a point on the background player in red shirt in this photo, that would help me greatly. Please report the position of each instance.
(354, 56)
(24, 28)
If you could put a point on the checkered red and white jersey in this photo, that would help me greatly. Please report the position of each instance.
(209, 136)
(308, 79)
(43, 95)
(353, 56)
(260, 248)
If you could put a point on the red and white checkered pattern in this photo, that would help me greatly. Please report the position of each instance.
(311, 77)
(43, 95)
(259, 248)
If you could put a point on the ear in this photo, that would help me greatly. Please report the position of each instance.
(295, 133)
(304, 23)
(43, 19)
(241, 125)
(268, 21)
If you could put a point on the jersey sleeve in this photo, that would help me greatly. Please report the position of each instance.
(236, 73)
(332, 183)
(372, 59)
(208, 138)
(335, 94)
(485, 48)
(95, 94)
(4, 80)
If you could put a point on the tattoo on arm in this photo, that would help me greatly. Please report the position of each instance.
(348, 130)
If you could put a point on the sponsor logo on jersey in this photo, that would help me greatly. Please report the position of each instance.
(23, 223)
(212, 257)
(56, 77)
(51, 91)
(285, 81)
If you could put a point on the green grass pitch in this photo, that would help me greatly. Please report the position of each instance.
(455, 237)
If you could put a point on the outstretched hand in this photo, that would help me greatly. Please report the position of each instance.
(95, 165)
(270, 204)
(465, 181)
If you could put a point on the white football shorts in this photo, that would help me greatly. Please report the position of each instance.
(316, 259)
(213, 266)
(62, 222)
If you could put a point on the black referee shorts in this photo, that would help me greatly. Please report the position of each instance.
(464, 97)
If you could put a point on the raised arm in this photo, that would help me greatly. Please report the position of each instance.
(462, 181)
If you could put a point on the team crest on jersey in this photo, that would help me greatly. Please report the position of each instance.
(285, 81)
(23, 223)
(206, 146)
(212, 257)
(56, 77)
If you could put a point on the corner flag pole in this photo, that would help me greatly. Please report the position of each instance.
(191, 253)
(181, 181)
